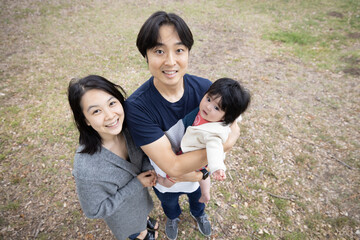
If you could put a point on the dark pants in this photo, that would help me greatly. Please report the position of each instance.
(170, 203)
(133, 236)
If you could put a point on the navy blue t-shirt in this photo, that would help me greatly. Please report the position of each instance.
(149, 115)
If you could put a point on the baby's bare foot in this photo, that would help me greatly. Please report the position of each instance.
(204, 199)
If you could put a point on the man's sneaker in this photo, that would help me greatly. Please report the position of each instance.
(203, 224)
(171, 228)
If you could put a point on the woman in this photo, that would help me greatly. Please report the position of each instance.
(111, 173)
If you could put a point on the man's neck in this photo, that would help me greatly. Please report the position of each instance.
(170, 93)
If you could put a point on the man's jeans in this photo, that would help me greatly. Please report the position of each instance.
(170, 203)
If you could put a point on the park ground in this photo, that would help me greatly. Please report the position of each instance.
(295, 170)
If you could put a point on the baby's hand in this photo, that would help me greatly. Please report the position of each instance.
(164, 181)
(219, 175)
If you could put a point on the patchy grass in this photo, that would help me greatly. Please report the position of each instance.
(294, 173)
(301, 38)
(11, 206)
(323, 33)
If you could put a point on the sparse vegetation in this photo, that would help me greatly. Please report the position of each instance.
(294, 173)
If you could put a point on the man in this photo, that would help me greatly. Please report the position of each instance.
(154, 112)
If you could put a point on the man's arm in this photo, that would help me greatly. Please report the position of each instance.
(174, 165)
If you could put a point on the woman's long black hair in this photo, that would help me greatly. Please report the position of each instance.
(89, 138)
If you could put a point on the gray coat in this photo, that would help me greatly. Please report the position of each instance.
(107, 188)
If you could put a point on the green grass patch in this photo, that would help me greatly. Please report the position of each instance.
(301, 38)
(320, 32)
(305, 160)
(225, 193)
(281, 204)
(16, 179)
(296, 235)
(43, 236)
(255, 186)
(2, 221)
(11, 206)
(313, 220)
(280, 211)
(341, 221)
(251, 212)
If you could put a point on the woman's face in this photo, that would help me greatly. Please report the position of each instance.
(168, 60)
(210, 110)
(103, 112)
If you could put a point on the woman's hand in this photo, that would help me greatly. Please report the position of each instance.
(148, 178)
(233, 136)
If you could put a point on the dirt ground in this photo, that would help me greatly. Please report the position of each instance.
(294, 173)
(297, 111)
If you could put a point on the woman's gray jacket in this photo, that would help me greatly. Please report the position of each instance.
(107, 188)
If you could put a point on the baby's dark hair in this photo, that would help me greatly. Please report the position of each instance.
(234, 99)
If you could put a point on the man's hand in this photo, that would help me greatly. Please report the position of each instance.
(165, 181)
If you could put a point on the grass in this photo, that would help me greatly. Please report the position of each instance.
(300, 38)
(304, 112)
(297, 235)
(11, 206)
(319, 31)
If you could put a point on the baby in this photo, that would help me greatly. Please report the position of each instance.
(222, 104)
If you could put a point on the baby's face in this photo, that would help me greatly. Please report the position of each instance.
(210, 110)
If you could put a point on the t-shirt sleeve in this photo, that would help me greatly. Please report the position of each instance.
(142, 128)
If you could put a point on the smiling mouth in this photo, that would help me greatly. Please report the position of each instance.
(113, 124)
(170, 72)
